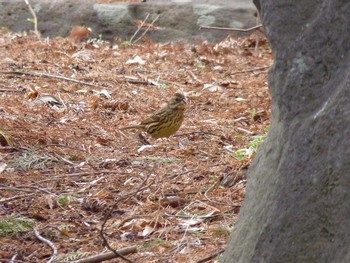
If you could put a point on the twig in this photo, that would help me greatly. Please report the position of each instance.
(135, 81)
(91, 184)
(107, 256)
(11, 188)
(138, 29)
(17, 188)
(231, 29)
(105, 241)
(195, 216)
(249, 70)
(37, 33)
(13, 259)
(194, 76)
(215, 202)
(60, 145)
(82, 174)
(182, 173)
(203, 133)
(49, 243)
(149, 26)
(46, 75)
(211, 256)
(10, 90)
(245, 131)
(92, 173)
(140, 188)
(14, 198)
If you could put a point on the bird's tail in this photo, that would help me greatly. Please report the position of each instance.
(131, 127)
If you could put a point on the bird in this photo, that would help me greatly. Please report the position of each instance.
(166, 121)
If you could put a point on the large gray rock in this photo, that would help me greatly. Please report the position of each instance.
(178, 19)
(297, 207)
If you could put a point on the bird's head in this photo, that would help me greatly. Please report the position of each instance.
(178, 101)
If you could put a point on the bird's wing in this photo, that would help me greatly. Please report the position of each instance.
(150, 120)
(156, 117)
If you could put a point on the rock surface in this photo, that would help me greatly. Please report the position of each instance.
(297, 206)
(179, 19)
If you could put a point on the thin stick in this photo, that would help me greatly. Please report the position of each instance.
(194, 216)
(231, 29)
(138, 29)
(107, 256)
(138, 190)
(5, 200)
(249, 70)
(13, 259)
(204, 133)
(149, 26)
(60, 145)
(37, 33)
(48, 242)
(135, 81)
(46, 75)
(18, 188)
(211, 256)
(10, 90)
(115, 252)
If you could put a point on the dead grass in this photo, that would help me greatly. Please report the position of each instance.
(170, 202)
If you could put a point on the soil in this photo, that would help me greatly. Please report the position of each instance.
(69, 166)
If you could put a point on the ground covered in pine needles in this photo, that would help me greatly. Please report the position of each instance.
(66, 167)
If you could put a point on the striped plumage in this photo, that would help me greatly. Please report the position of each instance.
(166, 121)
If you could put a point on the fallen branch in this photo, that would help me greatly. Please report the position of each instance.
(107, 256)
(48, 242)
(231, 29)
(46, 75)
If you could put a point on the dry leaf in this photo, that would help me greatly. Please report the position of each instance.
(78, 33)
(2, 167)
(135, 60)
(5, 138)
(33, 93)
(102, 141)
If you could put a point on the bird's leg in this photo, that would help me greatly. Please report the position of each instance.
(142, 139)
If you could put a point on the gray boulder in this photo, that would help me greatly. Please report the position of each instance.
(178, 20)
(297, 207)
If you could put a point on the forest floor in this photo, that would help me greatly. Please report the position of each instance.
(66, 169)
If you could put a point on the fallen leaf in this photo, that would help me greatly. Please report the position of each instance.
(102, 141)
(136, 60)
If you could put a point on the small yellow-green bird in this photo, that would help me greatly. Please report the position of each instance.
(166, 121)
